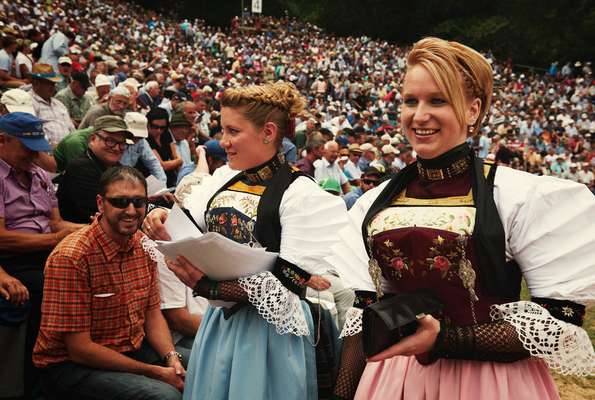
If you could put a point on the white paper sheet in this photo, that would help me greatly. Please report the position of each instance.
(218, 257)
(179, 226)
(155, 187)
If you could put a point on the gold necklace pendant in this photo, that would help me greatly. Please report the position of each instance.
(375, 273)
(465, 271)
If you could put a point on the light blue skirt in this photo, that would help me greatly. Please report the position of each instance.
(245, 358)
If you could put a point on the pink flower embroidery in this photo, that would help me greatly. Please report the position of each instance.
(441, 263)
(398, 263)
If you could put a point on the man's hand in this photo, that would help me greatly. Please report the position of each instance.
(153, 225)
(12, 289)
(176, 364)
(185, 271)
(319, 283)
(168, 375)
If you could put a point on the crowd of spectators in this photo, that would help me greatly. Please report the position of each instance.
(115, 83)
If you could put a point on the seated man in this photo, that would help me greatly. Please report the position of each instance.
(139, 154)
(30, 223)
(74, 97)
(80, 182)
(102, 332)
(182, 311)
(118, 102)
(370, 179)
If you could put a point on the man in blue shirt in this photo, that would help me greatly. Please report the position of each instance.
(370, 179)
(140, 150)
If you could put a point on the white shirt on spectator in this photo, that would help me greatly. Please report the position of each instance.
(175, 294)
(324, 170)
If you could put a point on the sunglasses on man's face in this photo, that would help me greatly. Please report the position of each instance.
(370, 181)
(160, 127)
(123, 202)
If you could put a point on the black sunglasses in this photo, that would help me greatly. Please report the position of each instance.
(370, 181)
(160, 127)
(123, 202)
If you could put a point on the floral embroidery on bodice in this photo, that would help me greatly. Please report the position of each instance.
(232, 213)
(427, 243)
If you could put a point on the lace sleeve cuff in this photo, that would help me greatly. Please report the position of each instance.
(275, 303)
(353, 317)
(565, 347)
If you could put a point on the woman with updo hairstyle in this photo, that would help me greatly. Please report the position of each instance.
(257, 338)
(465, 231)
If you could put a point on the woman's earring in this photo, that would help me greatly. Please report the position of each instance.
(266, 141)
(471, 128)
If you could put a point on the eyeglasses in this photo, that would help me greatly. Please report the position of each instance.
(111, 142)
(123, 202)
(160, 127)
(370, 181)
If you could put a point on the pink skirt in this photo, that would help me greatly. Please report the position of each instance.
(404, 378)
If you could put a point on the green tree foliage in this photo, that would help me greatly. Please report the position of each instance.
(532, 32)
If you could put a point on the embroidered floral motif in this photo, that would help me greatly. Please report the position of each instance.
(393, 257)
(459, 220)
(443, 256)
(293, 276)
(364, 298)
(441, 263)
(567, 311)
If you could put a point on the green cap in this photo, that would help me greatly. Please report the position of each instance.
(331, 185)
(178, 119)
(110, 123)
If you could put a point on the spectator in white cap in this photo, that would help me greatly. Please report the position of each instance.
(16, 100)
(103, 85)
(586, 176)
(573, 173)
(368, 155)
(117, 104)
(389, 153)
(65, 72)
(140, 151)
(132, 85)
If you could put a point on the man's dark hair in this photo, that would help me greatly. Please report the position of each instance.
(120, 173)
(157, 113)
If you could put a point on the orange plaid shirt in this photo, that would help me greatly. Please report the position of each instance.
(94, 284)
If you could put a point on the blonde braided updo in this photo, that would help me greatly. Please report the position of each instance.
(277, 102)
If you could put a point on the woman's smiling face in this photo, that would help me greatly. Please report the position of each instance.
(428, 119)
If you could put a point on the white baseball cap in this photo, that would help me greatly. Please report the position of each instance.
(17, 100)
(132, 82)
(64, 60)
(388, 149)
(137, 124)
(102, 80)
(367, 147)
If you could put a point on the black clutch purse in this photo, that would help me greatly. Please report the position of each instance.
(391, 319)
